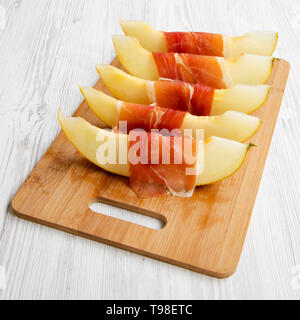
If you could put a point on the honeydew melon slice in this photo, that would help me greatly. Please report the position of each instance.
(254, 42)
(222, 157)
(241, 97)
(231, 124)
(246, 69)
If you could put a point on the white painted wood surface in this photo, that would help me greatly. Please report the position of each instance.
(47, 48)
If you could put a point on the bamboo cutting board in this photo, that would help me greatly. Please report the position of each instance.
(204, 233)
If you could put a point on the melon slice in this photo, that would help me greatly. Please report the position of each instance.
(151, 39)
(134, 58)
(222, 157)
(254, 42)
(246, 69)
(231, 124)
(240, 97)
(87, 138)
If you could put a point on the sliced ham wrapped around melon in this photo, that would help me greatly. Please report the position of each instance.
(215, 72)
(220, 158)
(210, 44)
(198, 99)
(169, 165)
(231, 124)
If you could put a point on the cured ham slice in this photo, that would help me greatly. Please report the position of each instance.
(151, 175)
(150, 117)
(196, 99)
(165, 164)
(209, 44)
(201, 100)
(190, 68)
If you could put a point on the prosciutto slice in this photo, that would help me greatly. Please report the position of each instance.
(190, 68)
(209, 44)
(196, 99)
(151, 175)
(146, 117)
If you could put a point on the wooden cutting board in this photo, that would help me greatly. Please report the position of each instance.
(204, 233)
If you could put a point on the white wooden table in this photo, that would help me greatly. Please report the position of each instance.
(47, 48)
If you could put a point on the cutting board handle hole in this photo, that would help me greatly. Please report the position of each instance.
(126, 215)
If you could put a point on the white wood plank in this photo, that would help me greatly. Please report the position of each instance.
(47, 49)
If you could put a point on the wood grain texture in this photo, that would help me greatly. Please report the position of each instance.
(43, 58)
(204, 233)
